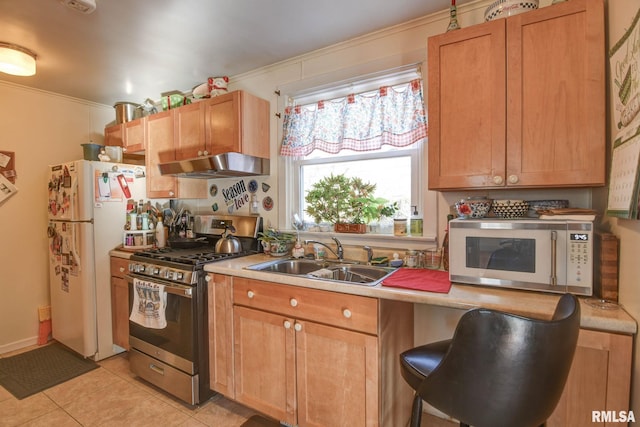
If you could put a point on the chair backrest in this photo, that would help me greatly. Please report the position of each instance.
(505, 370)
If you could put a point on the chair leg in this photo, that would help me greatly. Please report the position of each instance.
(416, 411)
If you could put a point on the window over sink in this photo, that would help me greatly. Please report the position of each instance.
(399, 172)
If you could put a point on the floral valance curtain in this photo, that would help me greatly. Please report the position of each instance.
(392, 115)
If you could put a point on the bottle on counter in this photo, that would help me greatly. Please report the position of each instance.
(415, 223)
(445, 246)
(161, 240)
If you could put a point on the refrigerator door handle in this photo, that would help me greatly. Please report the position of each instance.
(74, 250)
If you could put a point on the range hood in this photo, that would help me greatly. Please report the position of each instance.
(226, 165)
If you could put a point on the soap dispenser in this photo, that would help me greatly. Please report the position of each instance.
(415, 223)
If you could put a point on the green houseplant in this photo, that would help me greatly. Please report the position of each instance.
(348, 203)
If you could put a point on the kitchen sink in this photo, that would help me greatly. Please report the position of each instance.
(339, 271)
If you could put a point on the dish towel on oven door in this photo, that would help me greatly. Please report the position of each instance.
(149, 304)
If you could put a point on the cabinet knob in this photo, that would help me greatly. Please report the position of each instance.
(346, 313)
(497, 180)
(250, 294)
(207, 278)
(171, 194)
(513, 179)
(199, 153)
(297, 327)
(121, 269)
(287, 324)
(293, 302)
(205, 152)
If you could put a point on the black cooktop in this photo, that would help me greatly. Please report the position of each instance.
(194, 256)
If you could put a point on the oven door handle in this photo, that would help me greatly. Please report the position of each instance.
(183, 291)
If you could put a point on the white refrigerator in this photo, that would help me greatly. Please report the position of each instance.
(87, 214)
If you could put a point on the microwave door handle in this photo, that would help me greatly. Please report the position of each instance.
(554, 261)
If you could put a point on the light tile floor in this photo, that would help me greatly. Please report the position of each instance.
(112, 396)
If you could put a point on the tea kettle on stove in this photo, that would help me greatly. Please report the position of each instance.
(228, 244)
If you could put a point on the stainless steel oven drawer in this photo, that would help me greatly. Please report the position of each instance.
(172, 380)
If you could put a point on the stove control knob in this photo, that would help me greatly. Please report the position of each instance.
(169, 275)
(179, 275)
(155, 271)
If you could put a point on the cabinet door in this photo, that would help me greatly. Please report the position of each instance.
(264, 353)
(114, 135)
(599, 380)
(556, 92)
(119, 302)
(189, 131)
(237, 122)
(134, 135)
(337, 376)
(466, 99)
(222, 123)
(220, 334)
(160, 149)
(120, 311)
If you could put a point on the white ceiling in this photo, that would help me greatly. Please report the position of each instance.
(130, 50)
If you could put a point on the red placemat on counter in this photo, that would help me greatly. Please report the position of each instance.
(419, 279)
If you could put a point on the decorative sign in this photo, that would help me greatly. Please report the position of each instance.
(235, 196)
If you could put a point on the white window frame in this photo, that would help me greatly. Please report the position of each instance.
(289, 168)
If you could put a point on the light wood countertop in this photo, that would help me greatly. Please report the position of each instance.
(528, 303)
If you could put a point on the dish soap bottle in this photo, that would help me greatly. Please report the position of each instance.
(445, 245)
(415, 223)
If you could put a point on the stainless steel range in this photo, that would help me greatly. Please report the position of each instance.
(168, 328)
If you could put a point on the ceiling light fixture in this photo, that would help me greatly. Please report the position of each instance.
(84, 6)
(17, 60)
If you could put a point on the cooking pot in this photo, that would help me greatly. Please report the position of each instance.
(228, 244)
(127, 111)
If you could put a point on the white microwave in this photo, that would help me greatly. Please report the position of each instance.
(541, 255)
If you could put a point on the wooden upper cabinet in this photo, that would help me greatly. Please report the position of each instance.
(467, 104)
(189, 134)
(160, 149)
(114, 135)
(237, 122)
(134, 135)
(130, 135)
(233, 122)
(520, 102)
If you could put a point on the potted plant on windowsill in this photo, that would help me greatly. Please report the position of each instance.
(348, 203)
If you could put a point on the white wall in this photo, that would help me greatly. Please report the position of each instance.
(42, 129)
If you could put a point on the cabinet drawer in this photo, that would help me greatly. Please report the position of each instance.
(119, 266)
(346, 311)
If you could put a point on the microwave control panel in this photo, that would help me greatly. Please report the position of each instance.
(579, 257)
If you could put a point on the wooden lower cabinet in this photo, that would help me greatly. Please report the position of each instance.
(599, 380)
(310, 357)
(220, 314)
(120, 302)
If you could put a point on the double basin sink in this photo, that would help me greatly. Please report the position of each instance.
(339, 271)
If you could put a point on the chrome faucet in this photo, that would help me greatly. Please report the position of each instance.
(369, 254)
(339, 253)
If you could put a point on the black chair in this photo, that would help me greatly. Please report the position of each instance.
(498, 370)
